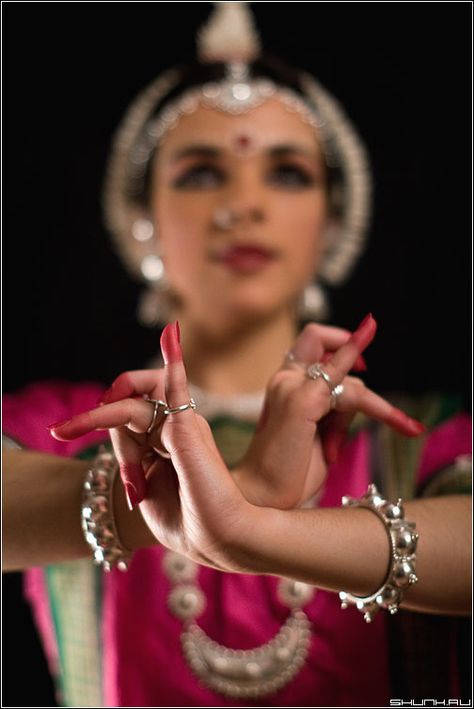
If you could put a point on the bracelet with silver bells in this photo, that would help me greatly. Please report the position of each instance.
(97, 510)
(101, 534)
(97, 513)
(403, 541)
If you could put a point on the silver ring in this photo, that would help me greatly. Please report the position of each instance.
(335, 394)
(314, 371)
(156, 407)
(291, 359)
(178, 409)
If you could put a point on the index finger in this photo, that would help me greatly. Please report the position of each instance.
(343, 359)
(316, 342)
(138, 382)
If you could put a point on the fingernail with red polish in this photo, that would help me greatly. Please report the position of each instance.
(330, 449)
(170, 343)
(360, 365)
(406, 425)
(417, 427)
(132, 495)
(364, 322)
(333, 454)
(58, 424)
(365, 332)
(136, 490)
(102, 399)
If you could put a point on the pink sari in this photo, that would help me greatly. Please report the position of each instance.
(137, 641)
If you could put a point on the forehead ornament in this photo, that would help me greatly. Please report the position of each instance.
(244, 144)
(236, 94)
(229, 37)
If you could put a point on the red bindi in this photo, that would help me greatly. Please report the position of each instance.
(243, 143)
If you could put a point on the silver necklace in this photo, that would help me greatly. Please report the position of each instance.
(238, 673)
(245, 407)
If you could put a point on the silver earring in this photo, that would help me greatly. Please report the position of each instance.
(153, 308)
(152, 268)
(314, 304)
(143, 230)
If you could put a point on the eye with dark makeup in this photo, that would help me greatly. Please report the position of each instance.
(200, 176)
(282, 175)
(291, 176)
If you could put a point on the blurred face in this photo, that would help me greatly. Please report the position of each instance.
(240, 204)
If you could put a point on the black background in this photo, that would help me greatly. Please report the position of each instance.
(403, 72)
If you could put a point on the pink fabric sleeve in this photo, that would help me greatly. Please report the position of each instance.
(26, 415)
(445, 443)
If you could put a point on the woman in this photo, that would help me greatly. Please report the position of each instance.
(266, 187)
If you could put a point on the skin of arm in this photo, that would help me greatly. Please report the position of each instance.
(41, 511)
(334, 549)
(348, 549)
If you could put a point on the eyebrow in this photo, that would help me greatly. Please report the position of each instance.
(214, 151)
(280, 150)
(209, 151)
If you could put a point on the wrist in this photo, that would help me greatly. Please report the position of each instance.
(260, 491)
(250, 486)
(246, 545)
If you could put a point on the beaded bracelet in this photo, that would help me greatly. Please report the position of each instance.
(97, 513)
(403, 541)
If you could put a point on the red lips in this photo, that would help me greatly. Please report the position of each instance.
(244, 258)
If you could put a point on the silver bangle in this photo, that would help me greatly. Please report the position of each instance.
(403, 541)
(97, 513)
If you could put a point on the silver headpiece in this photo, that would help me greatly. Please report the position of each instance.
(229, 37)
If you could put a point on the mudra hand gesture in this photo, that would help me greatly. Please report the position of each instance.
(191, 502)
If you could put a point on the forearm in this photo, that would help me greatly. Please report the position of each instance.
(42, 511)
(348, 549)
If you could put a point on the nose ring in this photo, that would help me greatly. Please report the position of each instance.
(223, 218)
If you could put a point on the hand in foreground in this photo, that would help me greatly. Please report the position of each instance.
(285, 465)
(193, 506)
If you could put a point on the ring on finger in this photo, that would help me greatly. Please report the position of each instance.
(290, 358)
(157, 403)
(314, 371)
(335, 394)
(177, 409)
